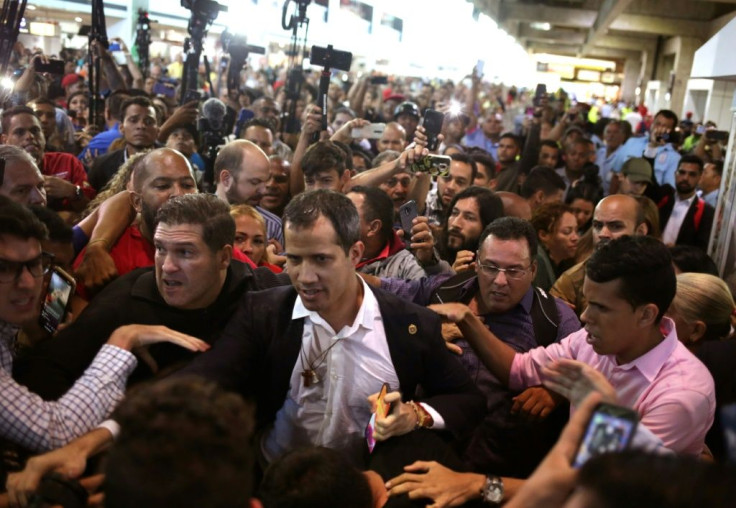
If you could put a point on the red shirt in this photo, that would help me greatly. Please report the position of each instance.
(67, 167)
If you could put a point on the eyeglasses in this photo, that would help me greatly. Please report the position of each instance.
(511, 273)
(10, 271)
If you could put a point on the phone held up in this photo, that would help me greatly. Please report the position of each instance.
(56, 303)
(432, 123)
(610, 429)
(383, 408)
(407, 213)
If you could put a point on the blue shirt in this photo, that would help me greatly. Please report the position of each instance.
(606, 167)
(477, 138)
(99, 144)
(666, 159)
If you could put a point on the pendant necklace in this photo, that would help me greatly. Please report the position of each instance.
(309, 374)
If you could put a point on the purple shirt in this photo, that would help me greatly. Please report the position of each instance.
(668, 386)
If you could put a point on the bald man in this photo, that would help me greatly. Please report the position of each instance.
(515, 206)
(242, 170)
(393, 138)
(160, 175)
(615, 216)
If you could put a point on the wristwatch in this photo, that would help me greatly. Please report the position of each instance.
(492, 491)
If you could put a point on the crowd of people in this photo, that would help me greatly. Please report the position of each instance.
(227, 348)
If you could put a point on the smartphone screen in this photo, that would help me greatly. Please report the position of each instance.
(407, 214)
(610, 429)
(56, 303)
(383, 408)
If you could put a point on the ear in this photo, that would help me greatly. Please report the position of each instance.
(533, 268)
(344, 179)
(356, 252)
(642, 229)
(374, 228)
(648, 316)
(698, 332)
(538, 197)
(492, 184)
(224, 256)
(543, 235)
(136, 201)
(226, 178)
(3, 138)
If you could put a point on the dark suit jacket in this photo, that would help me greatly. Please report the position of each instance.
(260, 346)
(105, 167)
(688, 234)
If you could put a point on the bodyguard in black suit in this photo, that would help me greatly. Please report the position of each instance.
(698, 221)
(268, 354)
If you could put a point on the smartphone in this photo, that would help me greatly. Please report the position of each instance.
(114, 46)
(383, 408)
(610, 429)
(371, 131)
(407, 213)
(52, 67)
(379, 80)
(56, 303)
(717, 135)
(435, 165)
(165, 89)
(539, 94)
(432, 123)
(479, 67)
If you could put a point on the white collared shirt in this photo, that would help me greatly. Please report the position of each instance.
(677, 217)
(335, 411)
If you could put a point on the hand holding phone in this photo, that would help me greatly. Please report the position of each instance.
(382, 410)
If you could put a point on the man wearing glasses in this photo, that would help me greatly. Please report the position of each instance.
(500, 291)
(685, 217)
(27, 420)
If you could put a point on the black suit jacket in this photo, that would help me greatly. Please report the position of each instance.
(689, 234)
(261, 344)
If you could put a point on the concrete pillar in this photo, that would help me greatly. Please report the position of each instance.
(645, 74)
(632, 71)
(683, 66)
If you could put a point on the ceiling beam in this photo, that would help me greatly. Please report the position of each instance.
(559, 16)
(608, 11)
(564, 36)
(621, 42)
(601, 53)
(660, 25)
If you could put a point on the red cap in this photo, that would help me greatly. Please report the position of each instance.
(388, 95)
(70, 79)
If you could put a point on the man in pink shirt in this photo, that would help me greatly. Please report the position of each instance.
(629, 285)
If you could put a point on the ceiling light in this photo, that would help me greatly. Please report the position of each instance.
(546, 27)
(78, 19)
(31, 7)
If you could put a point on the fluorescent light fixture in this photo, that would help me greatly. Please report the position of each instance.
(78, 19)
(536, 25)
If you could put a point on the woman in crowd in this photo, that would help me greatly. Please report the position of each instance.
(702, 311)
(78, 108)
(250, 235)
(557, 229)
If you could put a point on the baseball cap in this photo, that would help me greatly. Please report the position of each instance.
(638, 170)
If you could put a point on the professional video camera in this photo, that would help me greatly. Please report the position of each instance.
(143, 40)
(204, 12)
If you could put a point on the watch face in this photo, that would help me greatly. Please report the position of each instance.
(493, 491)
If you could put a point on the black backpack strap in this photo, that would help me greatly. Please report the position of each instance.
(456, 288)
(545, 317)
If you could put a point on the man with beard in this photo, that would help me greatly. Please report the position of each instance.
(686, 218)
(159, 176)
(140, 130)
(242, 171)
(461, 176)
(468, 214)
(277, 187)
(65, 179)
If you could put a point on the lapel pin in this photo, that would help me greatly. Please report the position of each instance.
(412, 329)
